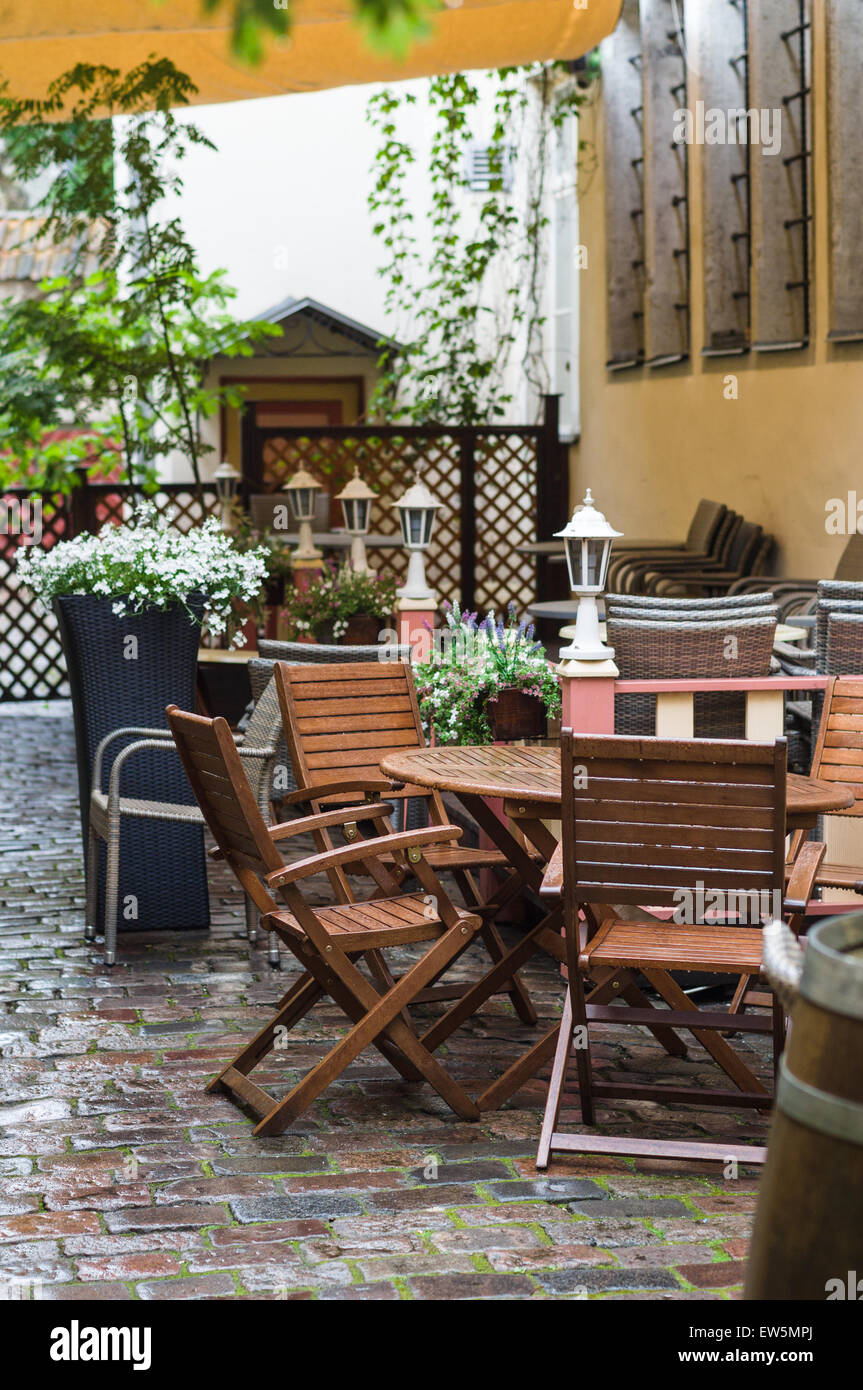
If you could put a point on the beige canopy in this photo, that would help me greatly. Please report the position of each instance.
(40, 39)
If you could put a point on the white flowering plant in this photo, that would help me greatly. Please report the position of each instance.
(149, 563)
(472, 664)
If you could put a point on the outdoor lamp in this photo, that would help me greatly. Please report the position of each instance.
(587, 538)
(417, 509)
(302, 489)
(226, 478)
(356, 498)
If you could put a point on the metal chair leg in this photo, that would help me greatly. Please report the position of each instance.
(92, 902)
(273, 951)
(251, 921)
(112, 884)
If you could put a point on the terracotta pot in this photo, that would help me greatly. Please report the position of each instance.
(513, 714)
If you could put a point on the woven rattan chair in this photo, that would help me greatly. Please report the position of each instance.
(651, 650)
(258, 748)
(723, 603)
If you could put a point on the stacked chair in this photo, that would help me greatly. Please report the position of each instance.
(732, 549)
(797, 593)
(701, 538)
(836, 648)
(657, 638)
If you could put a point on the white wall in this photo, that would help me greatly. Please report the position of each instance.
(281, 205)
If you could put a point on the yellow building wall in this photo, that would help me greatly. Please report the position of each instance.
(654, 442)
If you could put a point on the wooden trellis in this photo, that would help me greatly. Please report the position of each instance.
(31, 658)
(500, 486)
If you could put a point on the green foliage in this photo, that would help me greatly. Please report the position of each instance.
(390, 26)
(336, 596)
(461, 312)
(123, 347)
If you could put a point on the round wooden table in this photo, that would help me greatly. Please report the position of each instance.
(528, 780)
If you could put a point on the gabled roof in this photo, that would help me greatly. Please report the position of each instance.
(27, 253)
(317, 313)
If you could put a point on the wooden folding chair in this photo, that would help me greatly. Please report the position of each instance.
(328, 941)
(340, 721)
(654, 822)
(838, 757)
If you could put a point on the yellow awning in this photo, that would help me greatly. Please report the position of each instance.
(40, 39)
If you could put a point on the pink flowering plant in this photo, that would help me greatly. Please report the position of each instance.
(326, 607)
(471, 663)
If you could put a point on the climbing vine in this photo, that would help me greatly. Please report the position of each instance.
(465, 304)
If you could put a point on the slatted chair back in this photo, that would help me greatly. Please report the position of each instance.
(838, 755)
(217, 777)
(341, 721)
(646, 819)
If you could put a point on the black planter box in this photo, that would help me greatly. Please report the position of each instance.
(162, 865)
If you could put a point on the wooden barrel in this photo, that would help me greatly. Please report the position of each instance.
(808, 1237)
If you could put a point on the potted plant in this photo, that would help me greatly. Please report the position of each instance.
(341, 605)
(487, 681)
(131, 604)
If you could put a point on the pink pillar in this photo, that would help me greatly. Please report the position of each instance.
(588, 700)
(415, 626)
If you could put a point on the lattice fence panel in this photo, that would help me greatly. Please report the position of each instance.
(506, 489)
(31, 656)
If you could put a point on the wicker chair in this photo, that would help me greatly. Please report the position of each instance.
(723, 604)
(651, 650)
(108, 809)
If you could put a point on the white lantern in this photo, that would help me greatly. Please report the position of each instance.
(417, 509)
(302, 489)
(226, 479)
(588, 539)
(356, 498)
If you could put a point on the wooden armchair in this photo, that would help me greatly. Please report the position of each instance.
(653, 821)
(327, 941)
(838, 757)
(340, 722)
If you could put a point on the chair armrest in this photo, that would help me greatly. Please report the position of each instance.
(343, 815)
(122, 758)
(120, 733)
(374, 787)
(365, 849)
(552, 881)
(804, 871)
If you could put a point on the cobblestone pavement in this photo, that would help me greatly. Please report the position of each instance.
(121, 1178)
